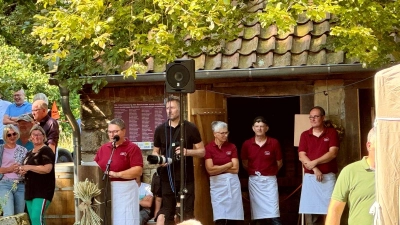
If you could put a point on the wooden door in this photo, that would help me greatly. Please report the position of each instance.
(203, 108)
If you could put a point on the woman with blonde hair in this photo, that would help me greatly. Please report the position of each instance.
(11, 157)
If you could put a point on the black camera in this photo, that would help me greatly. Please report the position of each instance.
(158, 159)
(174, 145)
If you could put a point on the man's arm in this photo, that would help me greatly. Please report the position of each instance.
(327, 157)
(280, 164)
(156, 151)
(197, 151)
(9, 120)
(146, 202)
(245, 164)
(335, 212)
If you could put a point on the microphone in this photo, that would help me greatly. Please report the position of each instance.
(115, 139)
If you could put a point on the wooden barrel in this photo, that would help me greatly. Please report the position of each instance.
(62, 209)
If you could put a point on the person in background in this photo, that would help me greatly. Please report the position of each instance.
(126, 165)
(49, 125)
(11, 157)
(222, 164)
(41, 96)
(318, 148)
(145, 201)
(165, 143)
(40, 181)
(156, 190)
(19, 107)
(25, 124)
(3, 107)
(355, 186)
(262, 158)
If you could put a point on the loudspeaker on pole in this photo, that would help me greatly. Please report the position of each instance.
(180, 76)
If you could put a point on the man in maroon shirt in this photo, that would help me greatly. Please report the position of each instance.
(317, 152)
(262, 158)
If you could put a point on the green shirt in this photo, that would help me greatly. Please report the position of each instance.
(356, 186)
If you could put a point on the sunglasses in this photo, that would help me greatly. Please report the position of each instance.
(13, 134)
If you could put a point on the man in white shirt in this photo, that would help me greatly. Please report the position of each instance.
(145, 201)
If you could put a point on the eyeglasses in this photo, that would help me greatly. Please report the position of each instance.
(113, 131)
(37, 135)
(13, 134)
(223, 133)
(35, 110)
(313, 117)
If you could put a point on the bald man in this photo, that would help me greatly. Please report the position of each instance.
(49, 125)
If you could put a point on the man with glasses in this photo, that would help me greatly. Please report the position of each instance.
(49, 125)
(262, 158)
(317, 152)
(3, 106)
(19, 107)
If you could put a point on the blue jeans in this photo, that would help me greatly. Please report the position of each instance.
(15, 201)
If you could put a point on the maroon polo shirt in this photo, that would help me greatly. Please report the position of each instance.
(125, 156)
(316, 147)
(220, 156)
(262, 159)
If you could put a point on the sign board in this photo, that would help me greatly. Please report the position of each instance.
(141, 120)
(301, 123)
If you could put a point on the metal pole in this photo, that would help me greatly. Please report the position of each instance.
(182, 121)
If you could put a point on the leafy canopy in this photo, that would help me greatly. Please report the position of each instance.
(97, 37)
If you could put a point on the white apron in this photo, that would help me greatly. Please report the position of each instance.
(264, 197)
(226, 197)
(125, 203)
(315, 196)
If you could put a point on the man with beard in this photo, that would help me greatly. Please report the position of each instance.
(166, 139)
(19, 107)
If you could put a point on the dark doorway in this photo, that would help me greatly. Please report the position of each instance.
(367, 116)
(280, 113)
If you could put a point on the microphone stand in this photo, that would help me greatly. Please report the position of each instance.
(107, 181)
(182, 191)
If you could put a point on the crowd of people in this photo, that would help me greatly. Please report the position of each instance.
(28, 141)
(322, 198)
(30, 137)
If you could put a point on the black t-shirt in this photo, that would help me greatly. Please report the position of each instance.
(40, 185)
(163, 138)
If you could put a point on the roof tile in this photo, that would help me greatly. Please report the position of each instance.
(265, 46)
(283, 46)
(335, 57)
(267, 32)
(213, 62)
(282, 60)
(317, 43)
(232, 47)
(230, 62)
(303, 29)
(318, 58)
(321, 28)
(264, 60)
(301, 44)
(247, 61)
(300, 59)
(251, 32)
(249, 46)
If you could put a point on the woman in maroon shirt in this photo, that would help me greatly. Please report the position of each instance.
(223, 165)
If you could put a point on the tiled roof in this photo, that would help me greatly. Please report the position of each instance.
(263, 47)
